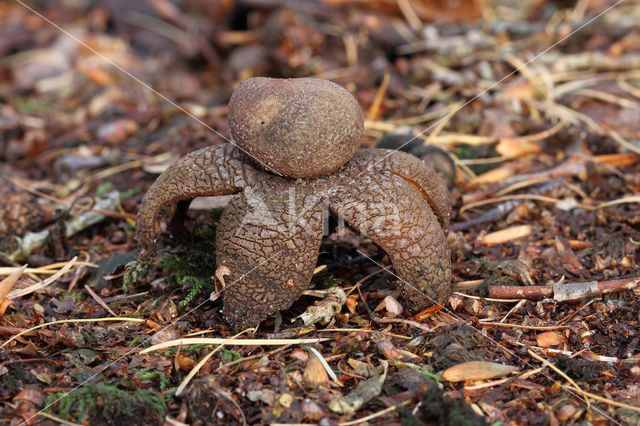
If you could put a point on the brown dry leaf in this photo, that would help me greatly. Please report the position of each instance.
(7, 284)
(351, 303)
(4, 305)
(312, 411)
(99, 76)
(299, 354)
(164, 335)
(448, 11)
(495, 175)
(618, 159)
(427, 313)
(314, 373)
(455, 302)
(184, 362)
(506, 235)
(520, 92)
(550, 338)
(476, 370)
(516, 147)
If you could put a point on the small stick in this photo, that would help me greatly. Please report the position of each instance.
(526, 327)
(578, 291)
(512, 310)
(517, 292)
(564, 292)
(14, 294)
(99, 300)
(504, 208)
(379, 320)
(562, 373)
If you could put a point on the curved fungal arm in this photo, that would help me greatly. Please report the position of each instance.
(268, 241)
(216, 170)
(412, 170)
(394, 214)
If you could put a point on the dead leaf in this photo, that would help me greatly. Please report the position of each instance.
(117, 131)
(64, 306)
(265, 395)
(184, 362)
(494, 175)
(7, 284)
(387, 350)
(311, 410)
(351, 303)
(550, 338)
(516, 147)
(164, 335)
(314, 373)
(365, 391)
(476, 370)
(505, 235)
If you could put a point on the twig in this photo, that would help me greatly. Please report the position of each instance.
(37, 286)
(379, 320)
(560, 372)
(99, 300)
(374, 109)
(512, 310)
(203, 361)
(503, 209)
(29, 330)
(526, 327)
(518, 292)
(57, 419)
(249, 358)
(578, 291)
(564, 292)
(230, 342)
(374, 415)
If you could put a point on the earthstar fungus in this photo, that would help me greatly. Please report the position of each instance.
(303, 137)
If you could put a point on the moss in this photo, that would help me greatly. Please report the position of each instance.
(470, 152)
(27, 105)
(102, 403)
(189, 349)
(330, 282)
(135, 271)
(193, 266)
(148, 374)
(229, 355)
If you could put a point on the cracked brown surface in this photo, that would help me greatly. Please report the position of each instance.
(302, 127)
(270, 233)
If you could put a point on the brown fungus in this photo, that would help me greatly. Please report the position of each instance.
(301, 127)
(270, 233)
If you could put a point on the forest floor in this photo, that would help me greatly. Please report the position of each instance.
(537, 104)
